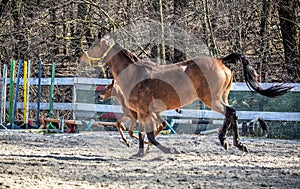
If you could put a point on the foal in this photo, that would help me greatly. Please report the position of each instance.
(113, 89)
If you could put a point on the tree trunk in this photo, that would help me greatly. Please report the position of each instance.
(2, 6)
(57, 31)
(163, 52)
(212, 44)
(264, 33)
(177, 13)
(287, 19)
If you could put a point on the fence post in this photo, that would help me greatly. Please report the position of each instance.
(26, 91)
(51, 90)
(16, 93)
(39, 95)
(3, 95)
(49, 125)
(11, 90)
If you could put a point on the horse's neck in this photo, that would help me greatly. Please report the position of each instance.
(118, 65)
(119, 94)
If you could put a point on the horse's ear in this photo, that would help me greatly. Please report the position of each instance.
(102, 32)
(100, 35)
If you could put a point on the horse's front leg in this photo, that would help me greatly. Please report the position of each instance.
(132, 127)
(160, 128)
(141, 138)
(120, 128)
(141, 151)
(151, 137)
(166, 150)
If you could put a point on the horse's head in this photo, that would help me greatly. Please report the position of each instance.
(107, 93)
(96, 54)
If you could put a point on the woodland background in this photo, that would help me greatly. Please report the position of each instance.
(265, 31)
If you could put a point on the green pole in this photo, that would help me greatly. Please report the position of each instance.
(11, 90)
(51, 90)
(49, 125)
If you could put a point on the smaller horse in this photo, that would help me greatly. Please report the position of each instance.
(113, 89)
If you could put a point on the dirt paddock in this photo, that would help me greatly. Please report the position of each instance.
(101, 160)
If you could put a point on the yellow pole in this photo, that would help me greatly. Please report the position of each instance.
(25, 93)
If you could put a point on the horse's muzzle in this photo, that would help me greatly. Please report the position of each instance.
(101, 98)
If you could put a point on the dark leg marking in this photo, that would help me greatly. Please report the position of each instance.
(166, 150)
(225, 128)
(236, 139)
(141, 152)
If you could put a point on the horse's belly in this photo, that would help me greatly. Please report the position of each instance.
(171, 101)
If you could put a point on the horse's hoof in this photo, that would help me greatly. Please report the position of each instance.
(265, 134)
(223, 140)
(174, 151)
(138, 155)
(130, 132)
(170, 151)
(241, 147)
(225, 145)
(148, 148)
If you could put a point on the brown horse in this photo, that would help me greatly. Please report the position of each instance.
(149, 88)
(113, 89)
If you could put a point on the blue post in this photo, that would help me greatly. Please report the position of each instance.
(170, 126)
(16, 94)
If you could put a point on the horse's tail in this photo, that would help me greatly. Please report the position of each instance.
(262, 124)
(251, 77)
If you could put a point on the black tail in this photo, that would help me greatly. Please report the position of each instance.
(251, 75)
(262, 124)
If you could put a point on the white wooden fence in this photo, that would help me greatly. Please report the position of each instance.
(88, 83)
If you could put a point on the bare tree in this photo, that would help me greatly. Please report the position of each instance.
(264, 33)
(264, 30)
(287, 17)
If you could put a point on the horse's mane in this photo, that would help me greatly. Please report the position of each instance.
(142, 63)
(132, 57)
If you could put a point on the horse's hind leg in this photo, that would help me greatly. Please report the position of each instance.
(233, 119)
(221, 107)
(223, 133)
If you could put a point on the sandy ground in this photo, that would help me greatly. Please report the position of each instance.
(101, 160)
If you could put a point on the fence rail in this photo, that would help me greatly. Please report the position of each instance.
(185, 113)
(236, 86)
(86, 83)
